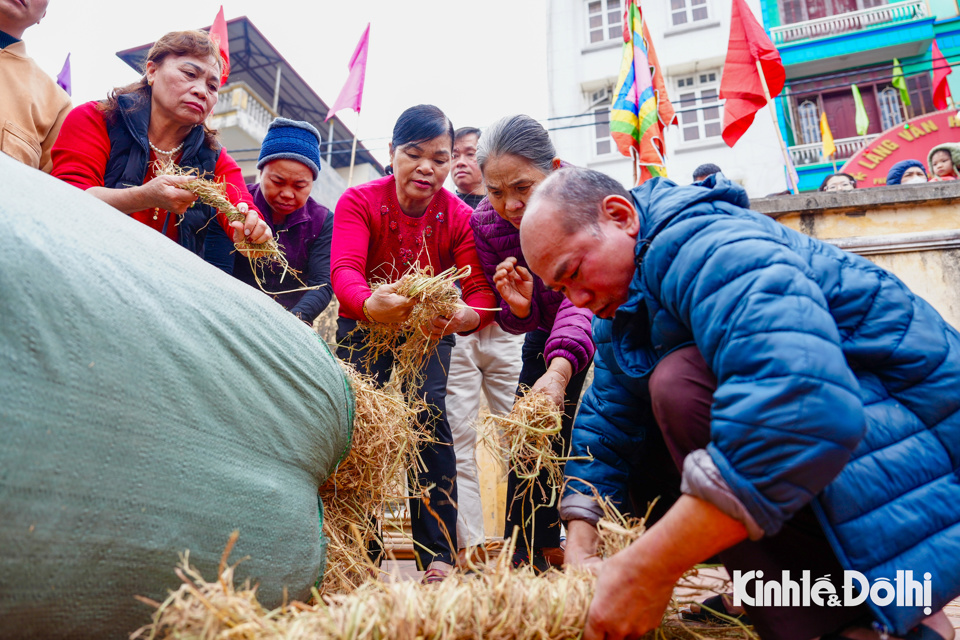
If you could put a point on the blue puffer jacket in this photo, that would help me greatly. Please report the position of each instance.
(836, 385)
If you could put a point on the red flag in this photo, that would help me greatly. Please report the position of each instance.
(941, 69)
(218, 33)
(740, 85)
(351, 95)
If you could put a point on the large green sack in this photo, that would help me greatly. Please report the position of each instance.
(149, 404)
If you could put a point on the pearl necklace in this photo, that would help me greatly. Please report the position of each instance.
(166, 153)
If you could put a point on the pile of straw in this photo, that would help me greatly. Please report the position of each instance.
(436, 295)
(214, 193)
(384, 446)
(498, 604)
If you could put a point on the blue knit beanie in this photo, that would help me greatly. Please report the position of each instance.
(291, 140)
(896, 171)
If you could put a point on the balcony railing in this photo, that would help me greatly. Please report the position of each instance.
(813, 153)
(893, 13)
(238, 100)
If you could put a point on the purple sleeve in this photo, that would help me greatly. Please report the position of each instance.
(490, 259)
(512, 324)
(570, 336)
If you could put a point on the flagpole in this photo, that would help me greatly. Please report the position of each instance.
(636, 161)
(834, 158)
(776, 125)
(353, 153)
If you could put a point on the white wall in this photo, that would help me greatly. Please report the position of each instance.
(574, 66)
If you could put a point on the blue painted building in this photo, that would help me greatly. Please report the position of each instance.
(829, 45)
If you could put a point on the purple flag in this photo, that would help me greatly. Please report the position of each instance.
(63, 78)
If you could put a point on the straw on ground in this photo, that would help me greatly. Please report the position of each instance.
(500, 603)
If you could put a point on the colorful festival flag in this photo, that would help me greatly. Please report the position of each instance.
(351, 95)
(826, 136)
(941, 69)
(900, 83)
(63, 78)
(862, 119)
(218, 33)
(641, 109)
(740, 84)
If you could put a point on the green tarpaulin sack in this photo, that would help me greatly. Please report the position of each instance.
(149, 404)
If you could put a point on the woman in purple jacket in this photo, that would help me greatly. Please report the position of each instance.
(289, 163)
(515, 155)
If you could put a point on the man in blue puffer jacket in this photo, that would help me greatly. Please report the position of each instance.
(830, 437)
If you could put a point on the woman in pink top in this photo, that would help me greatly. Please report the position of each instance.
(380, 229)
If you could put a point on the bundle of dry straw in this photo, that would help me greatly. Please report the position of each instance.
(498, 604)
(384, 445)
(436, 295)
(524, 439)
(214, 193)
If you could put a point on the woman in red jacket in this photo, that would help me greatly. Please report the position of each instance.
(109, 148)
(380, 229)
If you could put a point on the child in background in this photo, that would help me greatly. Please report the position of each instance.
(943, 162)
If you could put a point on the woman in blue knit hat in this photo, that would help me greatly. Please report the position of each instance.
(289, 163)
(907, 172)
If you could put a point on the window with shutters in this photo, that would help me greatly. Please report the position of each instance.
(698, 106)
(891, 113)
(687, 11)
(604, 20)
(809, 122)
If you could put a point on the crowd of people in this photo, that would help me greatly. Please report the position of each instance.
(793, 407)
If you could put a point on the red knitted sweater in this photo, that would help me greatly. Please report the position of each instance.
(374, 240)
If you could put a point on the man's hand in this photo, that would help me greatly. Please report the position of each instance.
(635, 586)
(253, 229)
(629, 599)
(515, 286)
(464, 319)
(581, 549)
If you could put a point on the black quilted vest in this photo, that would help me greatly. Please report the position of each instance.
(130, 155)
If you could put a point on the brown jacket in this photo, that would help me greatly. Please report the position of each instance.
(32, 108)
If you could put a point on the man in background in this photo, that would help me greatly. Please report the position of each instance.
(466, 172)
(704, 171)
(32, 106)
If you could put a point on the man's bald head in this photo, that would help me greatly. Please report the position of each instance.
(579, 235)
(581, 191)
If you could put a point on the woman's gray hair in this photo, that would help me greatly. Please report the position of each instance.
(521, 136)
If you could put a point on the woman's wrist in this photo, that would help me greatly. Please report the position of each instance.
(471, 320)
(366, 310)
(562, 369)
(521, 311)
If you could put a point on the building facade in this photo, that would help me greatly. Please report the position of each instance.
(829, 45)
(584, 42)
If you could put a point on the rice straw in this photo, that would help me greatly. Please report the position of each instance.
(384, 445)
(500, 603)
(436, 295)
(214, 194)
